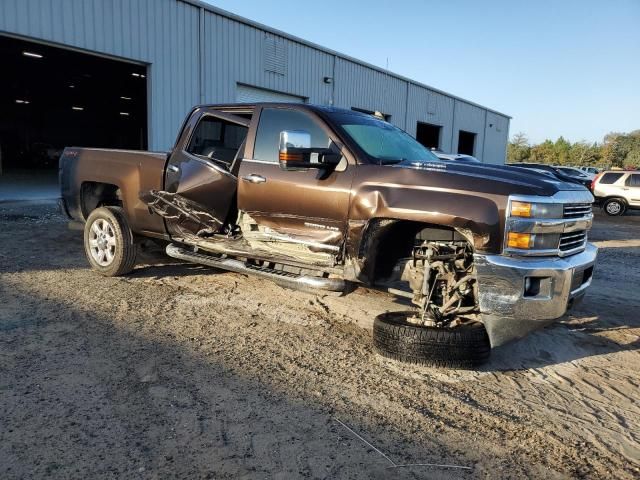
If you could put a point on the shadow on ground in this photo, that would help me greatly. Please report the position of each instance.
(85, 395)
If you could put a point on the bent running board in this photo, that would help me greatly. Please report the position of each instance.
(282, 278)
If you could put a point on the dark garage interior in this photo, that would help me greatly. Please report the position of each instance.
(51, 98)
(428, 135)
(466, 142)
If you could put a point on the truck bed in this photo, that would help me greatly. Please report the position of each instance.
(85, 174)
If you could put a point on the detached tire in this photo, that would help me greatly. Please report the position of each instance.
(108, 242)
(614, 207)
(464, 346)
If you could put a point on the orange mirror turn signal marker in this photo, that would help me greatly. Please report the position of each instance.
(520, 209)
(519, 240)
(290, 157)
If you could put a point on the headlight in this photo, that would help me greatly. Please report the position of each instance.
(536, 210)
(547, 226)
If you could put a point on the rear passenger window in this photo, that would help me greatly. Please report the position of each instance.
(217, 139)
(633, 180)
(609, 178)
(275, 120)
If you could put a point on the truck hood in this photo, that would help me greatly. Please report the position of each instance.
(493, 179)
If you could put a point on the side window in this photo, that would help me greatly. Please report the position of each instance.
(609, 178)
(217, 139)
(275, 120)
(633, 180)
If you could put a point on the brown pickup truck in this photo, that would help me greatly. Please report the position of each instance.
(320, 198)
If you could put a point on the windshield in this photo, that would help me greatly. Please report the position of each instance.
(383, 142)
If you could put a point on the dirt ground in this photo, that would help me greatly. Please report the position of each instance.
(183, 371)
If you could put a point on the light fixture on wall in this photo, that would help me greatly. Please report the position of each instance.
(328, 80)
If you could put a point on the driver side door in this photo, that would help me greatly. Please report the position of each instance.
(306, 207)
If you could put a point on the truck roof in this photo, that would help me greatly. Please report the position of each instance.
(301, 106)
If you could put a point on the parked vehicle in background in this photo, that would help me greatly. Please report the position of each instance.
(576, 172)
(560, 175)
(316, 197)
(458, 157)
(617, 191)
(593, 170)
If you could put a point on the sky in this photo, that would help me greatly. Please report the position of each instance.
(559, 68)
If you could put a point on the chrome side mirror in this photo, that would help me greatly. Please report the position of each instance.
(294, 139)
(295, 152)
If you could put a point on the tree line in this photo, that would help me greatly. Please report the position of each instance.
(616, 150)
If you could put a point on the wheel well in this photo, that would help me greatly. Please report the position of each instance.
(386, 241)
(96, 194)
(614, 197)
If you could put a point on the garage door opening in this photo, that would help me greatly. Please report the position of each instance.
(52, 98)
(428, 135)
(466, 142)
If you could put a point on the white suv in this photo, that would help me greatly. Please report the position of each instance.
(617, 190)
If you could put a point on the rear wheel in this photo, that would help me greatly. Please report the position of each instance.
(108, 242)
(614, 207)
(463, 346)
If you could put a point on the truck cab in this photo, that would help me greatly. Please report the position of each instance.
(318, 198)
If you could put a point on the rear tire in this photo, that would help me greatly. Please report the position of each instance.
(614, 207)
(464, 346)
(108, 242)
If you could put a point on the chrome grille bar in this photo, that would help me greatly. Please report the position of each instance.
(571, 241)
(576, 210)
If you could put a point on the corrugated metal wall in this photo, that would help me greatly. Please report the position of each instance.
(427, 106)
(469, 118)
(234, 53)
(195, 55)
(362, 87)
(496, 136)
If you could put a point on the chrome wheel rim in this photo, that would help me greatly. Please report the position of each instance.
(102, 242)
(613, 208)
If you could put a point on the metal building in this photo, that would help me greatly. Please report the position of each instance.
(123, 73)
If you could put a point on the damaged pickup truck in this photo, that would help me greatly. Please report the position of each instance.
(320, 198)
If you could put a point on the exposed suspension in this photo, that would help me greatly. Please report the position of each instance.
(443, 281)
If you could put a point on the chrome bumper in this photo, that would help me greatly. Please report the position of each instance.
(519, 295)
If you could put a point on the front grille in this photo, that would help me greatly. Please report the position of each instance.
(572, 240)
(577, 210)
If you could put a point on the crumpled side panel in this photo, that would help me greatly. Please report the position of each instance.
(184, 217)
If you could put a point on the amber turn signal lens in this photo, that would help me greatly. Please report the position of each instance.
(520, 209)
(519, 240)
(289, 157)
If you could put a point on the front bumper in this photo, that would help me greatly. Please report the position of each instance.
(518, 295)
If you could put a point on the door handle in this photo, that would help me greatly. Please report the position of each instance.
(173, 168)
(253, 178)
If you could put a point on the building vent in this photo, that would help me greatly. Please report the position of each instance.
(275, 55)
